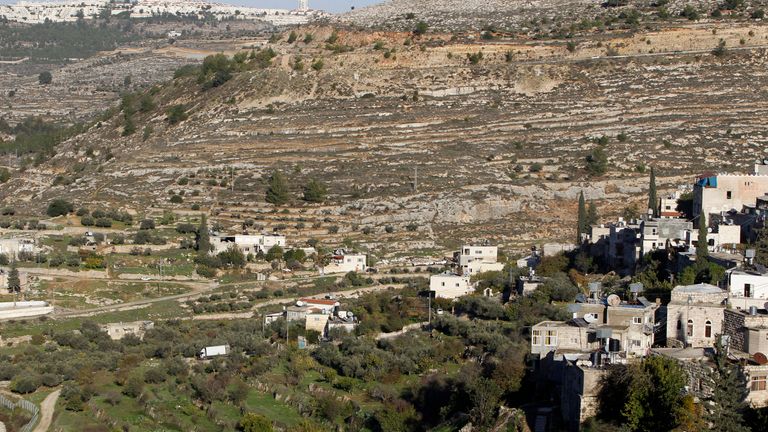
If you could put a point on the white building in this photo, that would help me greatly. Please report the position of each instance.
(11, 247)
(478, 259)
(248, 243)
(345, 263)
(450, 286)
(747, 285)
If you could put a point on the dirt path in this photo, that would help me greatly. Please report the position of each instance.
(46, 412)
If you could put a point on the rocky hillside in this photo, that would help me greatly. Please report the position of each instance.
(532, 16)
(426, 141)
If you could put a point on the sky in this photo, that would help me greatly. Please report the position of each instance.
(327, 5)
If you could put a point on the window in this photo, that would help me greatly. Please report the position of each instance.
(457, 284)
(536, 337)
(728, 195)
(551, 338)
(635, 343)
(679, 325)
(637, 320)
(590, 316)
(574, 340)
(747, 290)
(689, 331)
(708, 329)
(442, 283)
(758, 382)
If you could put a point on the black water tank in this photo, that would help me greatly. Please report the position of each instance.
(614, 345)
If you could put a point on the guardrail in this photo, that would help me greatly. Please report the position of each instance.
(25, 405)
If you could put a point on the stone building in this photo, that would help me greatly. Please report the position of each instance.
(695, 315)
(722, 193)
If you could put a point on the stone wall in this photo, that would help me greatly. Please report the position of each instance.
(733, 326)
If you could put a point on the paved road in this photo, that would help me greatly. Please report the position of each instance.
(47, 408)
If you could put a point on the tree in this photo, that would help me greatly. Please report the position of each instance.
(728, 399)
(702, 250)
(14, 283)
(203, 238)
(592, 216)
(421, 28)
(582, 222)
(597, 162)
(277, 193)
(315, 191)
(274, 253)
(176, 114)
(255, 423)
(59, 207)
(653, 201)
(45, 78)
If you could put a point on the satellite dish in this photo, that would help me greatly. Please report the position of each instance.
(299, 303)
(760, 358)
(590, 318)
(614, 300)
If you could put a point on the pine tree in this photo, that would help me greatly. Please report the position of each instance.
(14, 283)
(701, 245)
(203, 237)
(315, 191)
(730, 392)
(277, 193)
(653, 202)
(582, 218)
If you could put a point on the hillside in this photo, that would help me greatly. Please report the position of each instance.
(497, 144)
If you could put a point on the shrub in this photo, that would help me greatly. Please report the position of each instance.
(45, 78)
(421, 28)
(176, 114)
(176, 199)
(103, 222)
(147, 224)
(87, 221)
(154, 376)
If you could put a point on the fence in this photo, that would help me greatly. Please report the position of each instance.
(25, 405)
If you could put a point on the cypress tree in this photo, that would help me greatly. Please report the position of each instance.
(653, 201)
(582, 218)
(728, 398)
(277, 193)
(14, 283)
(701, 247)
(591, 216)
(203, 237)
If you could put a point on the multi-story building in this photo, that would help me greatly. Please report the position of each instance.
(248, 243)
(477, 259)
(722, 193)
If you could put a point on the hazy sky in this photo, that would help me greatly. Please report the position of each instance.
(328, 5)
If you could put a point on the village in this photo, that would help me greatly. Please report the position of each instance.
(704, 244)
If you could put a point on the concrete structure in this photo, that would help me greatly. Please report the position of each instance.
(248, 243)
(627, 329)
(12, 247)
(526, 285)
(117, 331)
(748, 284)
(668, 206)
(695, 315)
(658, 233)
(477, 259)
(24, 309)
(345, 263)
(450, 286)
(719, 193)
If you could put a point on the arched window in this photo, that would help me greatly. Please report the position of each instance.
(708, 329)
(689, 331)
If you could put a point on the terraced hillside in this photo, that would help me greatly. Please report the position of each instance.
(420, 144)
